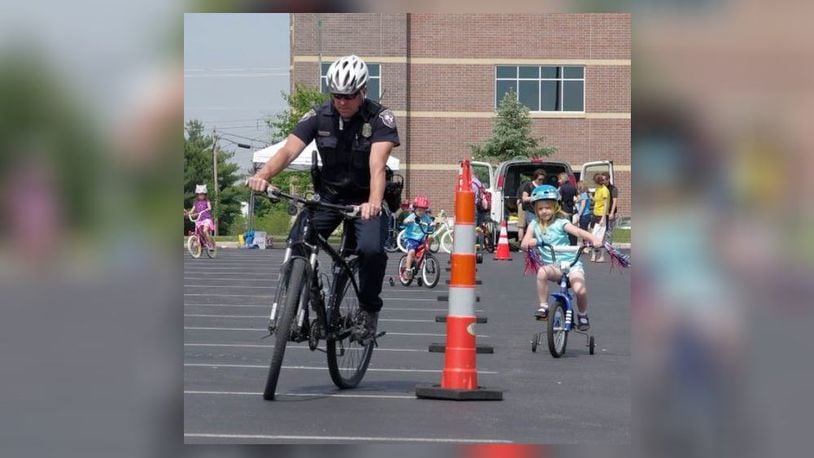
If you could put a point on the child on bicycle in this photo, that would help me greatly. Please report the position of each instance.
(552, 226)
(414, 233)
(203, 208)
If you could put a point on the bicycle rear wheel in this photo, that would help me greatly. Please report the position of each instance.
(557, 335)
(194, 246)
(347, 361)
(212, 251)
(431, 271)
(291, 290)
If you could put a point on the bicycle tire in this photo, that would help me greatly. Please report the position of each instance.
(292, 291)
(212, 252)
(194, 246)
(447, 242)
(401, 241)
(489, 238)
(347, 361)
(557, 335)
(402, 280)
(391, 244)
(430, 271)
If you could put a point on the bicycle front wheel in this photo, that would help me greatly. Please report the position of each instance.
(292, 290)
(347, 361)
(557, 335)
(431, 271)
(446, 242)
(194, 246)
(403, 279)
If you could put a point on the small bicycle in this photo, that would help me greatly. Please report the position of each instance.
(424, 262)
(195, 241)
(333, 299)
(561, 311)
(441, 236)
(488, 233)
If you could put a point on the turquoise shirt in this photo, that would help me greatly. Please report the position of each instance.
(414, 231)
(554, 235)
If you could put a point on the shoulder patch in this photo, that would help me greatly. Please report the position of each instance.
(309, 114)
(388, 118)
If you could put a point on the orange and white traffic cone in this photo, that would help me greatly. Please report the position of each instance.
(459, 380)
(502, 252)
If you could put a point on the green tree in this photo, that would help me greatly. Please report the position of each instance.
(511, 134)
(299, 102)
(198, 170)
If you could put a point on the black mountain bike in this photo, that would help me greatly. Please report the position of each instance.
(333, 299)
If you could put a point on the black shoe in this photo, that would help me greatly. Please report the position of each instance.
(365, 330)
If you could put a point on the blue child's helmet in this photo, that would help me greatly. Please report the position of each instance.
(545, 192)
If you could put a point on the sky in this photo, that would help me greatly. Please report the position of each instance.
(235, 66)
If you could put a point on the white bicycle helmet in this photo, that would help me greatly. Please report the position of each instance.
(200, 189)
(347, 75)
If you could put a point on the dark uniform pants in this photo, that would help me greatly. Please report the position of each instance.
(370, 236)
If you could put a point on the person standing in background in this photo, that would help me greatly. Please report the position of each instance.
(568, 194)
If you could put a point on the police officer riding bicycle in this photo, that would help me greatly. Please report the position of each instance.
(354, 136)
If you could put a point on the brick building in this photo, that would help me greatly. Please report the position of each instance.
(443, 75)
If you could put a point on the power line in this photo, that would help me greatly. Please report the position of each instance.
(243, 137)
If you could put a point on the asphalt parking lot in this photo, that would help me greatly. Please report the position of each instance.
(578, 398)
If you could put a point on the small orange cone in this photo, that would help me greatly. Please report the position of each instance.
(502, 253)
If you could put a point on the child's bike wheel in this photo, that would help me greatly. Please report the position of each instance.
(557, 335)
(402, 279)
(591, 345)
(212, 251)
(431, 271)
(194, 246)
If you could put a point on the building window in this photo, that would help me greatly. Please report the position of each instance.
(374, 80)
(542, 88)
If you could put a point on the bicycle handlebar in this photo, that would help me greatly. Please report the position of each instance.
(350, 211)
(565, 249)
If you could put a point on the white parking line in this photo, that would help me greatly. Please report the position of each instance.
(265, 316)
(228, 286)
(410, 350)
(407, 299)
(320, 395)
(265, 306)
(315, 368)
(347, 438)
(419, 334)
(204, 328)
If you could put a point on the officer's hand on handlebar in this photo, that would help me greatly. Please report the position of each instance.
(259, 184)
(370, 210)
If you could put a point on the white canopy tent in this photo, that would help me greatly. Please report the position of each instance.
(303, 161)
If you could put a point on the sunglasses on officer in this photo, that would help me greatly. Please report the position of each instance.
(346, 96)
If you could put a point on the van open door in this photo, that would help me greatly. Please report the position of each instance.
(589, 169)
(485, 173)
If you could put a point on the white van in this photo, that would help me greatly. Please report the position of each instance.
(504, 182)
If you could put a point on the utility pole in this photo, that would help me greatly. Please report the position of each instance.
(215, 167)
